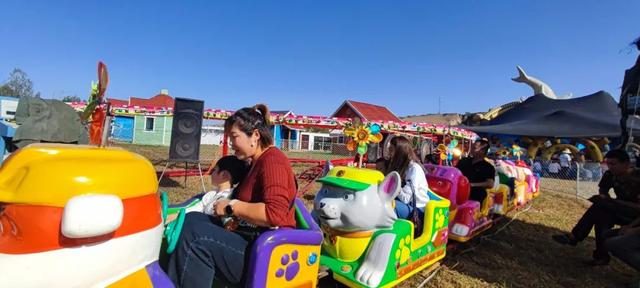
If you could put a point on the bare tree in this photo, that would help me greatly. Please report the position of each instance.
(5, 90)
(71, 98)
(18, 85)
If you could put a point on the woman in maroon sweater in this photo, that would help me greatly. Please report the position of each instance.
(263, 200)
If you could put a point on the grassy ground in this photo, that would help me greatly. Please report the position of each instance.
(517, 252)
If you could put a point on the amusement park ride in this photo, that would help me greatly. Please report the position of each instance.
(99, 213)
(87, 216)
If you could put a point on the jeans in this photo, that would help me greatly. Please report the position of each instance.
(602, 216)
(404, 210)
(206, 251)
(626, 248)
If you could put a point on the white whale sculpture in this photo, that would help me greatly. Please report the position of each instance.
(537, 85)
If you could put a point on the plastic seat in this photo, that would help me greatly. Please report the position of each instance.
(287, 257)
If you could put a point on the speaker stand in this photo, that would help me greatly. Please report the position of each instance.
(166, 165)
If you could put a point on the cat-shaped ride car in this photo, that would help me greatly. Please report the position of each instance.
(365, 244)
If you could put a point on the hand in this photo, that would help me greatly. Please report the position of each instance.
(629, 230)
(210, 209)
(171, 218)
(220, 207)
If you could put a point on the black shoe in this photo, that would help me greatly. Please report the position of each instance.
(564, 239)
(597, 262)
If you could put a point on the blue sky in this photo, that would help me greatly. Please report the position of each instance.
(309, 56)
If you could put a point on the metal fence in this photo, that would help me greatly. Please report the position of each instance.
(317, 151)
(580, 179)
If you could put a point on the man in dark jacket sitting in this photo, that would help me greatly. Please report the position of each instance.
(607, 211)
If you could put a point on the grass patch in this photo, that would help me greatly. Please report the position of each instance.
(516, 252)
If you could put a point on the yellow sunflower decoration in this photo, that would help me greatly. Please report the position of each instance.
(361, 136)
(503, 153)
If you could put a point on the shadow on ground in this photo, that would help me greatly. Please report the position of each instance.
(516, 252)
(519, 252)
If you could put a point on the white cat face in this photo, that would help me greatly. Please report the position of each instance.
(348, 210)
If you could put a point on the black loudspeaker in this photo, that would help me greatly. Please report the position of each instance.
(186, 130)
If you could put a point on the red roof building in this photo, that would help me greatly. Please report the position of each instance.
(117, 102)
(364, 111)
(161, 100)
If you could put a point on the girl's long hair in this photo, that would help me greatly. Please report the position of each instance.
(402, 156)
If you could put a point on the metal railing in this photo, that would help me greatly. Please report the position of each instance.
(580, 179)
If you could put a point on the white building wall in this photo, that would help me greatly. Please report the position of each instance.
(8, 108)
(212, 135)
(312, 139)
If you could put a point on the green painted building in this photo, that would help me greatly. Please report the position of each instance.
(152, 130)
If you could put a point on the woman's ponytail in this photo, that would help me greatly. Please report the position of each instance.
(264, 111)
(249, 119)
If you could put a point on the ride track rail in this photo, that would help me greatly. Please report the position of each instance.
(305, 179)
(454, 249)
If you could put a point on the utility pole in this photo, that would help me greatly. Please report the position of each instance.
(438, 104)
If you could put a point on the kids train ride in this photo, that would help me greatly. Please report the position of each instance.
(81, 216)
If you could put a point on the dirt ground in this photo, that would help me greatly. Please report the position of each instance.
(516, 252)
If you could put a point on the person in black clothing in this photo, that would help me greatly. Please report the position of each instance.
(606, 211)
(480, 173)
(624, 243)
(630, 88)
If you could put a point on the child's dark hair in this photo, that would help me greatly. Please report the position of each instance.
(249, 119)
(237, 168)
(619, 155)
(485, 145)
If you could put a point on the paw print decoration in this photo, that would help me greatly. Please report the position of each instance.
(440, 219)
(403, 252)
(290, 266)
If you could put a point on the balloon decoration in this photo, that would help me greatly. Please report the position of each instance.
(452, 150)
(374, 129)
(361, 136)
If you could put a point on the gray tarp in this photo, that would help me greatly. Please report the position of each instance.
(47, 120)
(595, 115)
